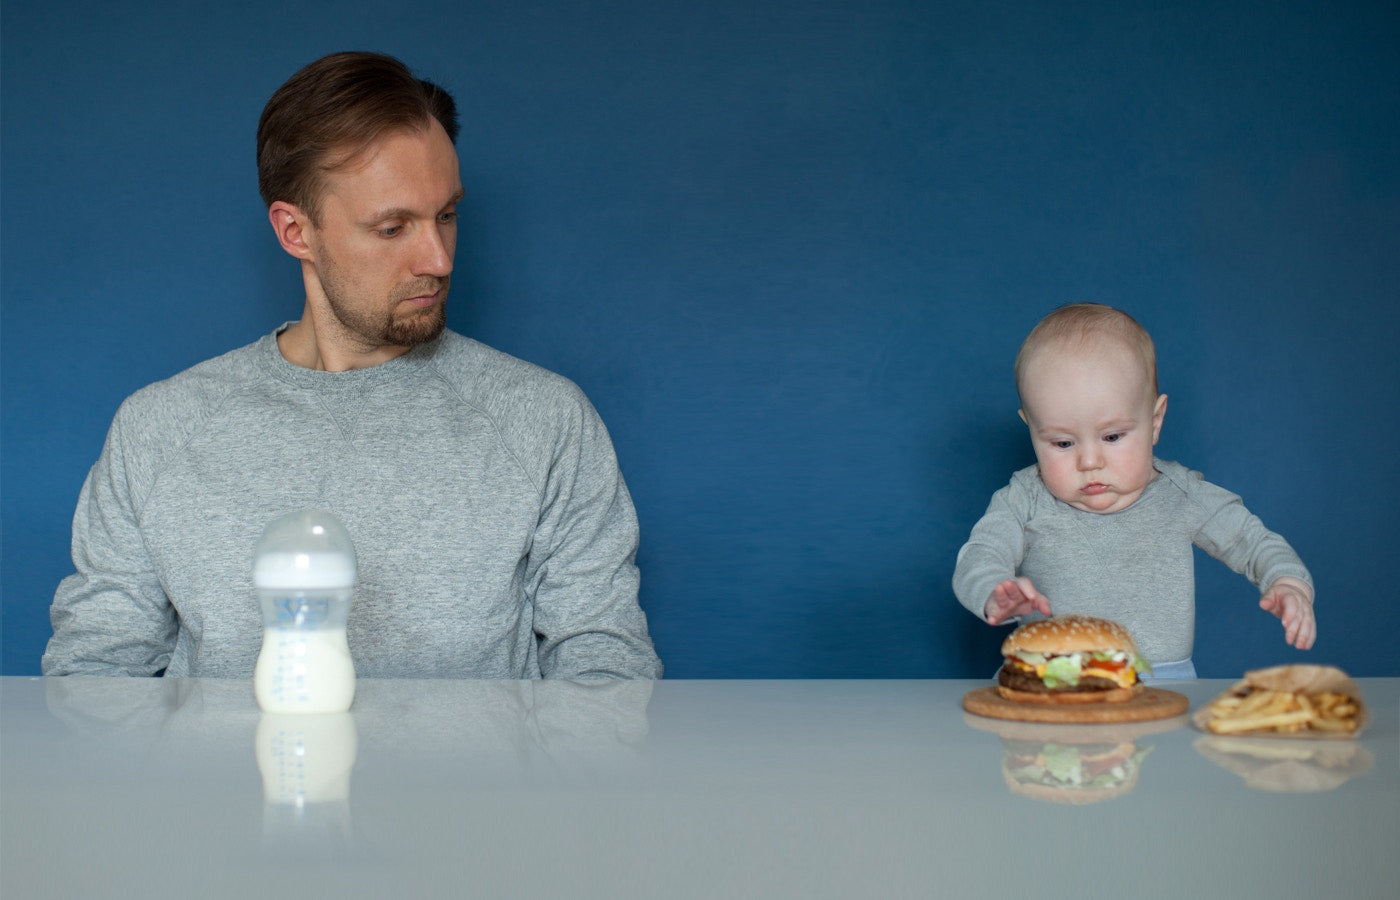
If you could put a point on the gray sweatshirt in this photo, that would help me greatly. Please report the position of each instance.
(1134, 566)
(495, 536)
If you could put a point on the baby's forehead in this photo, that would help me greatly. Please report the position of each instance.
(1090, 347)
(1066, 368)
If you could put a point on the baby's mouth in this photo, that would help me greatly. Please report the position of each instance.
(1096, 487)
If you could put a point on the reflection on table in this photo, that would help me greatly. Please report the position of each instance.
(127, 787)
(1287, 766)
(1073, 764)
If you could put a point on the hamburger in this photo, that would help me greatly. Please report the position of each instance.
(1070, 659)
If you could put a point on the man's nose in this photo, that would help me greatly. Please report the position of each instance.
(434, 253)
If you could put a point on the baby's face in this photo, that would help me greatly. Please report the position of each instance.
(1093, 421)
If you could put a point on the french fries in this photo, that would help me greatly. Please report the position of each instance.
(1282, 712)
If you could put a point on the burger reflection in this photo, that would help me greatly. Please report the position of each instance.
(1072, 764)
(1284, 765)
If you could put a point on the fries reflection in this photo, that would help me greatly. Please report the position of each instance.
(1287, 766)
(1072, 764)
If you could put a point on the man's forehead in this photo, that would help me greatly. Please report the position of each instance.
(405, 168)
(350, 157)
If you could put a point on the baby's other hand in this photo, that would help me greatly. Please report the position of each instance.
(1014, 597)
(1291, 600)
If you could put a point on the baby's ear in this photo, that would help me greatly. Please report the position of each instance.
(1022, 414)
(1159, 412)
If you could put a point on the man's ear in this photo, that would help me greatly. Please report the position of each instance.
(290, 225)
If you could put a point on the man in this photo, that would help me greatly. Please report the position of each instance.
(494, 533)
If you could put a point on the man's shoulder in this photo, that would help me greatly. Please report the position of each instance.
(491, 378)
(182, 397)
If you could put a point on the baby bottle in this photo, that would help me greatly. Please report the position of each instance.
(304, 573)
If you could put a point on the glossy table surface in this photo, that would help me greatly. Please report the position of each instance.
(114, 787)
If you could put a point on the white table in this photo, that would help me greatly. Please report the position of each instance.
(181, 788)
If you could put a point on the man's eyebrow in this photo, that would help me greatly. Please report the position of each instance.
(403, 212)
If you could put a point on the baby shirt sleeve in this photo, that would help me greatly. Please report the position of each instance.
(994, 550)
(1235, 536)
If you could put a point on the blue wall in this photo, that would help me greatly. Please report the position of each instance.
(789, 249)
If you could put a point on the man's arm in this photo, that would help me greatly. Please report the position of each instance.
(583, 577)
(111, 616)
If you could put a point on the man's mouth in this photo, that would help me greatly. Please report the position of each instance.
(422, 300)
(425, 295)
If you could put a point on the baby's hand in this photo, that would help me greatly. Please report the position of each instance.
(1291, 600)
(1014, 597)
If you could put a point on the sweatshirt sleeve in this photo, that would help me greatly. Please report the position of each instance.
(1235, 536)
(111, 616)
(582, 573)
(995, 549)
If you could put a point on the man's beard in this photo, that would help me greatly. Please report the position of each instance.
(390, 328)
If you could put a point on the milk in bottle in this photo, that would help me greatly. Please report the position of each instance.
(304, 573)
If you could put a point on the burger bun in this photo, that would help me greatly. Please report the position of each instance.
(1095, 695)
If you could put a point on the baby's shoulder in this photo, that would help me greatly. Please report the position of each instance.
(1186, 480)
(1183, 488)
(1027, 493)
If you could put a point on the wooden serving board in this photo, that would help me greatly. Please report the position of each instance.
(1151, 703)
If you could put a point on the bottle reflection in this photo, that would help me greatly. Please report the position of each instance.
(305, 762)
(410, 751)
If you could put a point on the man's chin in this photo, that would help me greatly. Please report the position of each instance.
(415, 330)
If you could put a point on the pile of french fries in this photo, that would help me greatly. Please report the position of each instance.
(1282, 712)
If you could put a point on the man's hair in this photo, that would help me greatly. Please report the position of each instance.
(333, 109)
(1087, 325)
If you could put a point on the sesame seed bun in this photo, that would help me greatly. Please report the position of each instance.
(1069, 634)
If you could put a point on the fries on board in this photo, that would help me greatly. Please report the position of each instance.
(1312, 701)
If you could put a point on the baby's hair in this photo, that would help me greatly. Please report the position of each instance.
(1081, 325)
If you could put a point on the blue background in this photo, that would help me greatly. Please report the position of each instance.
(789, 250)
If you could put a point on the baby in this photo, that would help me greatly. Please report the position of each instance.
(1099, 525)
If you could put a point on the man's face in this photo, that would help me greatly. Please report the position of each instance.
(1093, 421)
(383, 245)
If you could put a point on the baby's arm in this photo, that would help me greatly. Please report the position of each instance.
(1014, 597)
(1236, 537)
(1291, 600)
(990, 558)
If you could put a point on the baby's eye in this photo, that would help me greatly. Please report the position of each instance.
(1062, 445)
(1112, 438)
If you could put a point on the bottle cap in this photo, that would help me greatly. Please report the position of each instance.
(308, 549)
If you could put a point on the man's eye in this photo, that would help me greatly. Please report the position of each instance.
(390, 230)
(448, 218)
